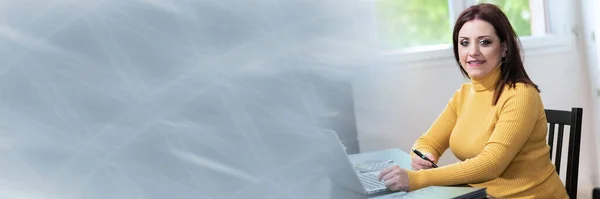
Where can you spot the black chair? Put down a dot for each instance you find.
(573, 119)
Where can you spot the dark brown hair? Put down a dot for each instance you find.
(512, 71)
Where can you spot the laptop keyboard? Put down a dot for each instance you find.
(370, 181)
(373, 166)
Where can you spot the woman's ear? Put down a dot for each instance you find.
(504, 49)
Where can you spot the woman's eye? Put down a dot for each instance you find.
(464, 43)
(485, 42)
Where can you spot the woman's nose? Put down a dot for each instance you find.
(474, 50)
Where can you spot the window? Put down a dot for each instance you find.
(525, 21)
(426, 24)
(412, 23)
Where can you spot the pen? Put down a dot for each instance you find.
(424, 157)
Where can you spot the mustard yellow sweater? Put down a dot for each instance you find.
(502, 147)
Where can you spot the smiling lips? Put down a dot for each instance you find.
(475, 63)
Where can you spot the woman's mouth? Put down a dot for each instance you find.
(475, 63)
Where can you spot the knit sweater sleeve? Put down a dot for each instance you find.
(436, 139)
(516, 120)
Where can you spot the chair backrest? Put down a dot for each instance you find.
(573, 119)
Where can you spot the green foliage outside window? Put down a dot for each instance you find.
(518, 14)
(411, 23)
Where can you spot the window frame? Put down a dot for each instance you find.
(557, 38)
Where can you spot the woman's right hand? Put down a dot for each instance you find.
(418, 163)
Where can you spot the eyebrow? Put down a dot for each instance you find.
(482, 36)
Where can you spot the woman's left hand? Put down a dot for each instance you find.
(395, 178)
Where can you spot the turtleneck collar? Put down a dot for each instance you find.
(488, 81)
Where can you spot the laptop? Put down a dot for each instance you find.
(343, 172)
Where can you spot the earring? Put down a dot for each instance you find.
(504, 59)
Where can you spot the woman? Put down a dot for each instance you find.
(495, 124)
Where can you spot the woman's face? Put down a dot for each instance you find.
(479, 48)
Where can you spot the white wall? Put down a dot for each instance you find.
(590, 23)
